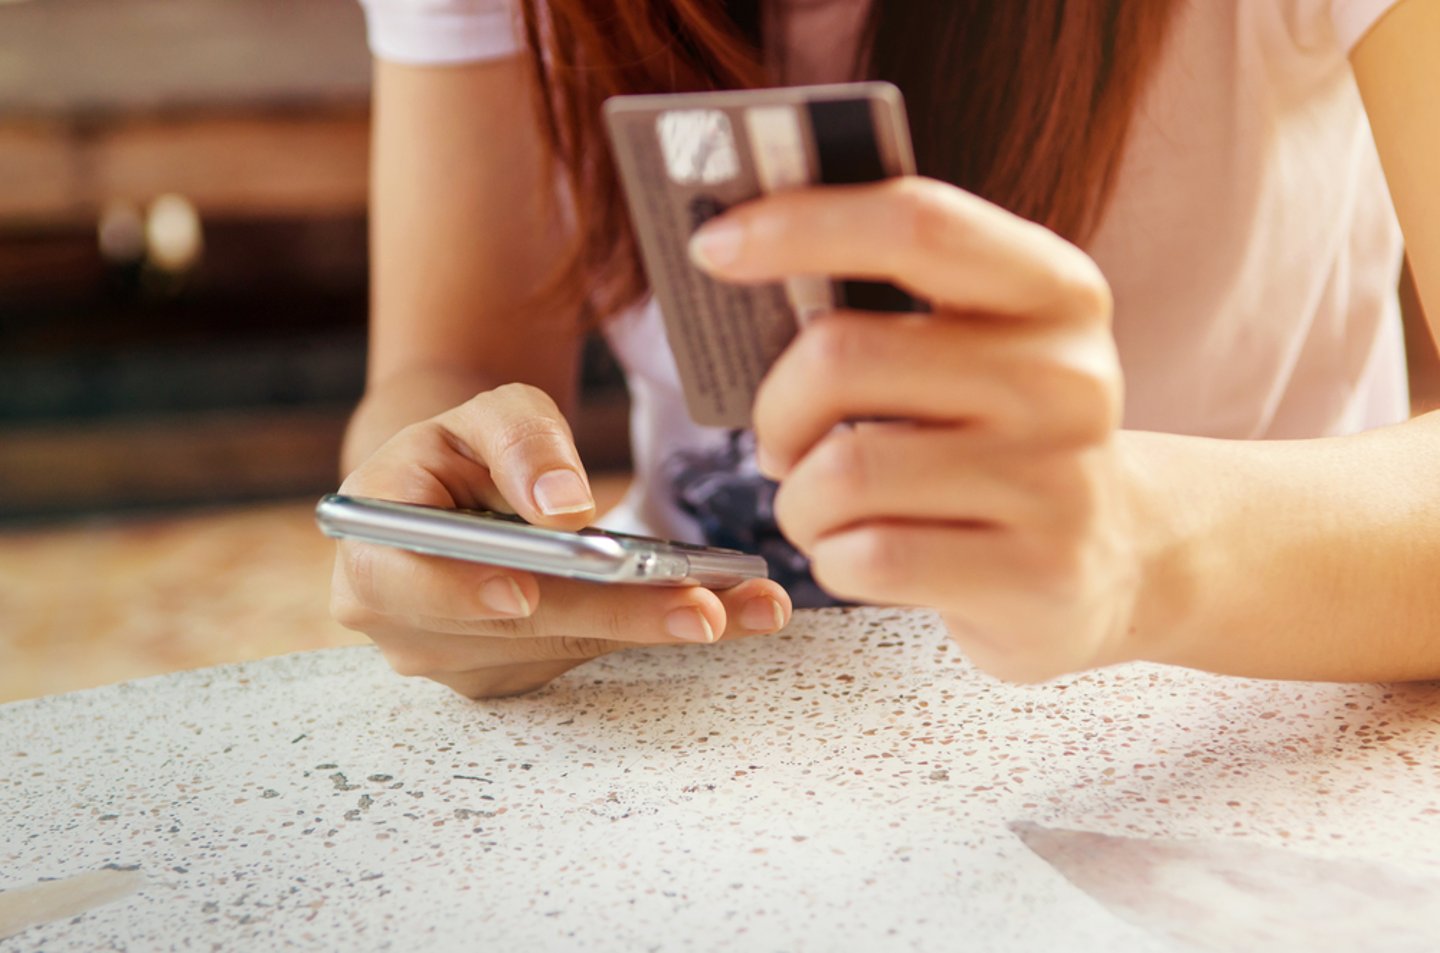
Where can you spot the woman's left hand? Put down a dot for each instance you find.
(984, 477)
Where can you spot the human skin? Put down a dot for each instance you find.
(467, 391)
(1008, 499)
(1049, 539)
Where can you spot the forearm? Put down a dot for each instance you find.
(1313, 559)
(464, 236)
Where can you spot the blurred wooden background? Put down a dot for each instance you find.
(128, 381)
(254, 108)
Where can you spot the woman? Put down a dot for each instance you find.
(1074, 474)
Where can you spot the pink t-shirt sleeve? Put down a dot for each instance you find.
(439, 32)
(1354, 18)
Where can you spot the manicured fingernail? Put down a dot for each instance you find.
(561, 491)
(762, 615)
(716, 245)
(503, 595)
(689, 625)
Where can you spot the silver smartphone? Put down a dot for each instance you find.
(499, 539)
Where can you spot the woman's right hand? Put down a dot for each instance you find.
(487, 631)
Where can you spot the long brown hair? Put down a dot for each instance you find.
(1024, 102)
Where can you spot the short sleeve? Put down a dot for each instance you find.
(1352, 19)
(440, 32)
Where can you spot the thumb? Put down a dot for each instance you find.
(523, 440)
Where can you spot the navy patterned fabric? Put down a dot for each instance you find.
(734, 505)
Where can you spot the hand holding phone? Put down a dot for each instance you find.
(485, 628)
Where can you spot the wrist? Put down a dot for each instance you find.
(1168, 513)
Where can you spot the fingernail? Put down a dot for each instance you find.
(762, 615)
(561, 491)
(689, 625)
(503, 595)
(716, 245)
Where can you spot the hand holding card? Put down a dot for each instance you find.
(685, 158)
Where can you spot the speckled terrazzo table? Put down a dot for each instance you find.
(849, 784)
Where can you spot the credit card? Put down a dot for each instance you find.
(684, 158)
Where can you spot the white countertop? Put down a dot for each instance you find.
(849, 784)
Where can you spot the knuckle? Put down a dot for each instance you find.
(525, 430)
(824, 492)
(923, 215)
(832, 577)
(517, 395)
(580, 647)
(418, 441)
(789, 514)
(845, 460)
(1057, 385)
(842, 468)
(516, 419)
(617, 624)
(878, 555)
(598, 623)
(1072, 403)
(871, 559)
(829, 348)
(1080, 286)
(769, 410)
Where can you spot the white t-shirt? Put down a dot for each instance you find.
(1250, 243)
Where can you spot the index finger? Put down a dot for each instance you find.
(932, 239)
(507, 449)
(519, 434)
